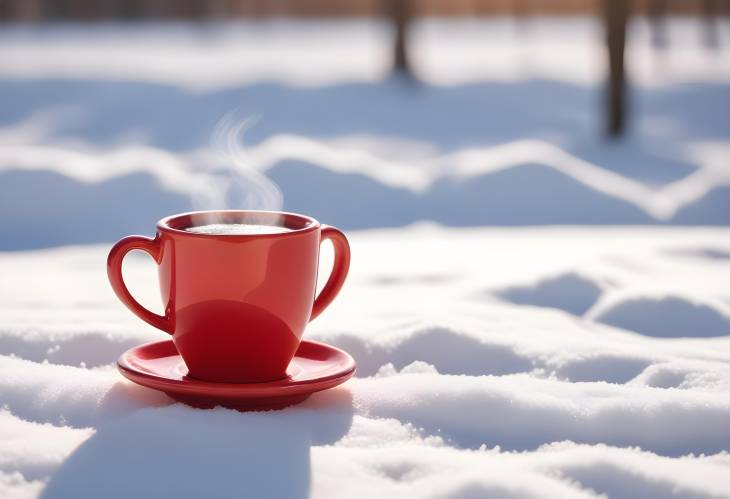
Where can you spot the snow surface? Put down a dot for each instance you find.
(558, 361)
(464, 389)
(94, 118)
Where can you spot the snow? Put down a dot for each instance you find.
(534, 311)
(92, 121)
(460, 391)
(448, 53)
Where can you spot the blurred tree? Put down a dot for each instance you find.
(709, 10)
(657, 12)
(401, 14)
(616, 15)
(57, 8)
(131, 9)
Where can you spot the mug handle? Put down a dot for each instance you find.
(339, 269)
(114, 271)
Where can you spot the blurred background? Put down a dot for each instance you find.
(362, 113)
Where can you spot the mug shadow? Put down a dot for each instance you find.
(177, 451)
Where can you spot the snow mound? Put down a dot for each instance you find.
(686, 375)
(455, 410)
(666, 316)
(448, 351)
(712, 209)
(571, 292)
(35, 450)
(520, 183)
(608, 368)
(701, 253)
(217, 445)
(83, 213)
(72, 348)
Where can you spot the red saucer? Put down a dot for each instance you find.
(315, 367)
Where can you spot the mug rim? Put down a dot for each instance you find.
(310, 224)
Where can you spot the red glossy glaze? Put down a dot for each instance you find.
(236, 305)
(315, 367)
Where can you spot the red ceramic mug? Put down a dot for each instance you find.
(236, 305)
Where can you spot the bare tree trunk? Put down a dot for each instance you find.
(522, 13)
(57, 9)
(657, 19)
(616, 16)
(130, 9)
(709, 11)
(401, 13)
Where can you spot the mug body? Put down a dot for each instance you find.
(238, 303)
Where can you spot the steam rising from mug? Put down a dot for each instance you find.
(230, 180)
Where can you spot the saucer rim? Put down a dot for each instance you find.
(285, 386)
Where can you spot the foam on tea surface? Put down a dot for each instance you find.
(237, 229)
